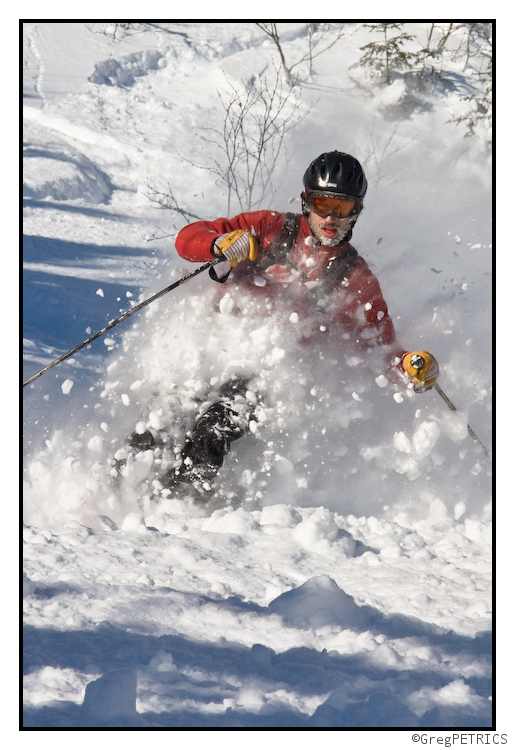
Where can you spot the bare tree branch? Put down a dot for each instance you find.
(316, 33)
(378, 153)
(249, 142)
(115, 29)
(167, 200)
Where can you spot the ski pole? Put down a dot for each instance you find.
(125, 315)
(417, 361)
(453, 408)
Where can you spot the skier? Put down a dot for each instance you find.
(292, 262)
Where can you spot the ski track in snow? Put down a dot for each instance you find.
(341, 574)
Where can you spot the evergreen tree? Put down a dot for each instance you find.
(387, 55)
(479, 43)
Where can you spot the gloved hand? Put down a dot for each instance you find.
(236, 246)
(423, 369)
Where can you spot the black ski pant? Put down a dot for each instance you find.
(211, 437)
(223, 423)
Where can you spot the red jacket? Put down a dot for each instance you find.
(356, 303)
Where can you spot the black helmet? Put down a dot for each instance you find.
(336, 172)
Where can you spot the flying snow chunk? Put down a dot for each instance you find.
(226, 305)
(382, 381)
(67, 386)
(100, 292)
(402, 442)
(95, 444)
(425, 437)
(459, 510)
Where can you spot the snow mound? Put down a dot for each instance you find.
(382, 709)
(112, 696)
(59, 172)
(320, 602)
(123, 72)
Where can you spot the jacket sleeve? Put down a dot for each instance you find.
(194, 242)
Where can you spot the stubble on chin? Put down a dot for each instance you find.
(328, 241)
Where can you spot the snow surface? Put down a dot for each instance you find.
(341, 576)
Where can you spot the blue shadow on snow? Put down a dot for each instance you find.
(373, 696)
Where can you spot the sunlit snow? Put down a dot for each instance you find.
(341, 574)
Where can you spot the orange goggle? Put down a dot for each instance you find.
(323, 205)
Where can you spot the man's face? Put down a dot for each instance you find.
(330, 231)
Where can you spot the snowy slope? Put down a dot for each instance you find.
(341, 576)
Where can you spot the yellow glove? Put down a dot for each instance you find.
(236, 246)
(423, 369)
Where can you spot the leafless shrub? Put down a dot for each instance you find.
(379, 152)
(116, 30)
(163, 197)
(317, 39)
(247, 145)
